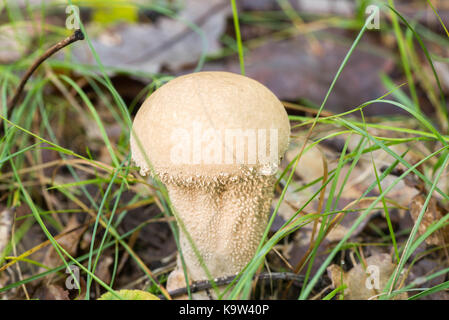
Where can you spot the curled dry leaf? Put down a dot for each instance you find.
(362, 282)
(433, 214)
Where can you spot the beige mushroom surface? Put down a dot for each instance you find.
(215, 140)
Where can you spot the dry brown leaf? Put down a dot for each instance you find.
(102, 271)
(432, 215)
(68, 242)
(51, 292)
(310, 166)
(364, 283)
(335, 273)
(166, 43)
(292, 72)
(57, 293)
(421, 271)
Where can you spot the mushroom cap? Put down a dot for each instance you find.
(200, 124)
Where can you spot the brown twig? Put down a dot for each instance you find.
(77, 35)
(297, 107)
(205, 285)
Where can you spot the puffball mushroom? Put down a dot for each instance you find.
(215, 140)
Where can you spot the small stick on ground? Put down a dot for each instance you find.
(77, 35)
(205, 285)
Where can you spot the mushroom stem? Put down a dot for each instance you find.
(225, 220)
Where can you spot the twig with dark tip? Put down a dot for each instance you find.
(77, 35)
(205, 285)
